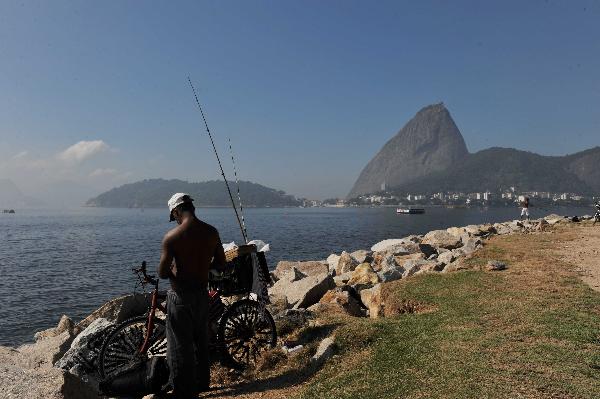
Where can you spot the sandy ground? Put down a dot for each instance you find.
(583, 252)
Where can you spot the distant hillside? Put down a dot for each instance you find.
(155, 193)
(495, 169)
(428, 155)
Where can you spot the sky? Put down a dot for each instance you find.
(95, 94)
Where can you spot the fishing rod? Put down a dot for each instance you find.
(242, 228)
(237, 183)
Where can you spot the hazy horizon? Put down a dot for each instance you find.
(95, 95)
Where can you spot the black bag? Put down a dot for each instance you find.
(142, 378)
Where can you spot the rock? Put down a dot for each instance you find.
(343, 279)
(362, 256)
(332, 262)
(324, 351)
(342, 298)
(118, 310)
(502, 228)
(456, 231)
(471, 245)
(18, 381)
(430, 267)
(455, 266)
(309, 290)
(363, 275)
(427, 250)
(372, 299)
(443, 239)
(46, 351)
(310, 268)
(542, 225)
(495, 265)
(279, 289)
(446, 257)
(85, 348)
(385, 245)
(390, 270)
(574, 219)
(413, 266)
(64, 324)
(346, 264)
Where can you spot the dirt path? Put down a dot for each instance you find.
(583, 252)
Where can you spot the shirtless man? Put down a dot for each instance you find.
(188, 251)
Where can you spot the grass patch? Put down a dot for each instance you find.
(531, 331)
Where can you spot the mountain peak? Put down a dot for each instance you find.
(428, 143)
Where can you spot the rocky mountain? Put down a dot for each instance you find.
(429, 155)
(430, 142)
(154, 193)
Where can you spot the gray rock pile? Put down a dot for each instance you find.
(350, 282)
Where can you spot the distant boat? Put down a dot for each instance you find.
(8, 211)
(410, 211)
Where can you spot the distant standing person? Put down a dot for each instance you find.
(525, 208)
(188, 251)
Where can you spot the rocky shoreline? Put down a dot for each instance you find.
(61, 361)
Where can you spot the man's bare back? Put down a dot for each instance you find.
(194, 246)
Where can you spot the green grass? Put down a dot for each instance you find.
(531, 331)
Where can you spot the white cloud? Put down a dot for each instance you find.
(83, 150)
(21, 155)
(102, 172)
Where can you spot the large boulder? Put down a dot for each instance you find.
(373, 300)
(309, 268)
(442, 239)
(413, 266)
(85, 348)
(446, 257)
(502, 228)
(362, 256)
(346, 264)
(309, 290)
(390, 269)
(342, 299)
(46, 351)
(279, 289)
(118, 310)
(64, 324)
(471, 245)
(392, 243)
(332, 262)
(363, 275)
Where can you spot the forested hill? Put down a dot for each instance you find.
(154, 193)
(497, 169)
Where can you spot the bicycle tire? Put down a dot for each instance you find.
(120, 348)
(245, 330)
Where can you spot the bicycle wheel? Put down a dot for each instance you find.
(245, 330)
(120, 348)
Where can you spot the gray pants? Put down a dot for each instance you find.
(187, 342)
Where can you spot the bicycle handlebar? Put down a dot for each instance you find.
(144, 277)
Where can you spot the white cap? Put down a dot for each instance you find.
(176, 200)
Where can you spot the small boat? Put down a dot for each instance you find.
(410, 211)
(9, 211)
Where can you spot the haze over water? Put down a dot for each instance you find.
(71, 262)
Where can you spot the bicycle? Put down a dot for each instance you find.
(597, 214)
(239, 331)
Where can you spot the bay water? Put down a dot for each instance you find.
(55, 262)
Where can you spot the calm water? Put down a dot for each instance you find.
(70, 262)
